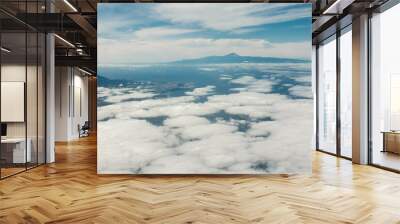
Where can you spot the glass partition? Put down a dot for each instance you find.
(31, 99)
(385, 89)
(22, 77)
(327, 95)
(13, 94)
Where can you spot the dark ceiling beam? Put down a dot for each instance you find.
(174, 1)
(322, 22)
(53, 22)
(10, 25)
(65, 51)
(327, 20)
(83, 23)
(338, 6)
(91, 5)
(49, 22)
(79, 61)
(331, 30)
(15, 18)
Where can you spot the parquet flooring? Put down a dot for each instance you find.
(10, 171)
(70, 191)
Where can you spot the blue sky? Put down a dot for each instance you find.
(152, 33)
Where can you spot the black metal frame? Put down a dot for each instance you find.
(369, 81)
(316, 97)
(338, 76)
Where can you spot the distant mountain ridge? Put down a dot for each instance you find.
(103, 81)
(235, 58)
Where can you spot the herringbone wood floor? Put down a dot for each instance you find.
(70, 191)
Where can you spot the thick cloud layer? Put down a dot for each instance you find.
(207, 90)
(271, 135)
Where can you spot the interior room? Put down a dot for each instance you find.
(55, 91)
(385, 118)
(22, 101)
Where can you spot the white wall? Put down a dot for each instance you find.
(34, 124)
(12, 101)
(80, 109)
(12, 73)
(62, 81)
(17, 73)
(70, 83)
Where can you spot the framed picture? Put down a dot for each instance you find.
(220, 88)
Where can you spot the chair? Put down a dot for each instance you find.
(84, 130)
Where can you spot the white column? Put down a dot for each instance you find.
(50, 99)
(360, 90)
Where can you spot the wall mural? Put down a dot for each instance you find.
(204, 88)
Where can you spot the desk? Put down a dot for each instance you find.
(391, 141)
(19, 155)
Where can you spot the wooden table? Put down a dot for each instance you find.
(391, 141)
(14, 150)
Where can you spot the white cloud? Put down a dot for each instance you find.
(126, 40)
(166, 50)
(229, 17)
(306, 79)
(260, 86)
(178, 164)
(129, 96)
(253, 84)
(301, 91)
(207, 69)
(253, 104)
(213, 147)
(244, 80)
(202, 91)
(238, 89)
(259, 128)
(246, 98)
(160, 32)
(124, 94)
(225, 77)
(107, 92)
(250, 110)
(189, 143)
(110, 26)
(117, 154)
(184, 121)
(206, 131)
(143, 108)
(175, 110)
